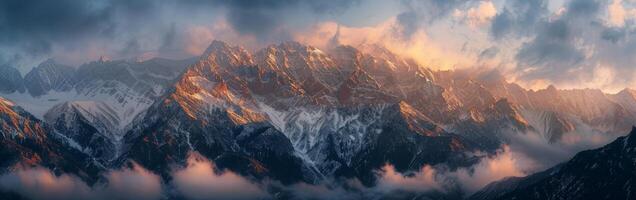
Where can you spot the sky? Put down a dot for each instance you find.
(567, 43)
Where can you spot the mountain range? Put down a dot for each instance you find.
(298, 114)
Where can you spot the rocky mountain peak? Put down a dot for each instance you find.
(48, 76)
(10, 80)
(223, 54)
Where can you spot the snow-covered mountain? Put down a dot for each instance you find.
(93, 125)
(49, 76)
(10, 80)
(126, 87)
(95, 103)
(25, 141)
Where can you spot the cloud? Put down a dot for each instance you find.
(38, 29)
(571, 44)
(524, 154)
(76, 32)
(553, 46)
(423, 47)
(390, 184)
(539, 154)
(503, 164)
(135, 183)
(440, 34)
(477, 16)
(517, 17)
(200, 180)
(574, 48)
(267, 20)
(419, 14)
(41, 184)
(617, 13)
(422, 181)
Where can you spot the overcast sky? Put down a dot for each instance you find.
(568, 43)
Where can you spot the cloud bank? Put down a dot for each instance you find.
(200, 180)
(41, 184)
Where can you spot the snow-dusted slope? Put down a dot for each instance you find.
(128, 87)
(49, 76)
(10, 80)
(93, 125)
(95, 103)
(98, 113)
(26, 141)
(550, 124)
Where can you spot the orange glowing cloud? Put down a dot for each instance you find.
(436, 54)
(42, 184)
(200, 180)
(504, 164)
(477, 16)
(617, 13)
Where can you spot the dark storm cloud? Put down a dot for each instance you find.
(555, 49)
(420, 13)
(518, 17)
(613, 34)
(489, 53)
(32, 24)
(265, 18)
(583, 8)
(34, 29)
(571, 46)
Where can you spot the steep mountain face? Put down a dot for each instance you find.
(606, 113)
(552, 125)
(27, 142)
(127, 87)
(10, 80)
(605, 173)
(91, 124)
(209, 111)
(96, 103)
(49, 76)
